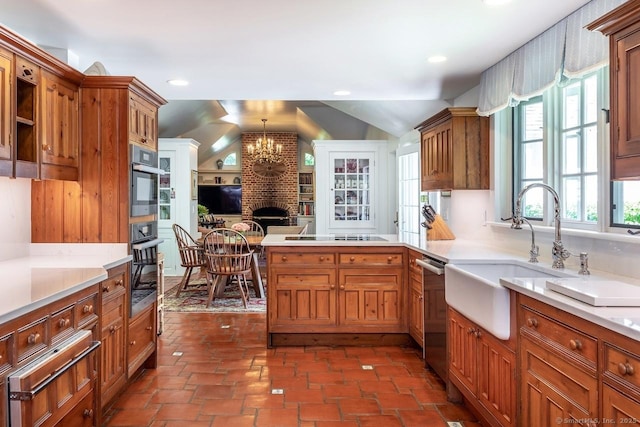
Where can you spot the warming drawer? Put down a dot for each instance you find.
(55, 386)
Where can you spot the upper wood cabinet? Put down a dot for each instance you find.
(39, 115)
(143, 118)
(59, 128)
(6, 91)
(455, 150)
(622, 25)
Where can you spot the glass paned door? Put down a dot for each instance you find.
(351, 176)
(166, 197)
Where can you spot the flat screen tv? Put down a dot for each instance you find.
(221, 199)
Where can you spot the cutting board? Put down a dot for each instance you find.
(439, 230)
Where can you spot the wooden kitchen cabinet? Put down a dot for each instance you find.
(621, 379)
(483, 368)
(113, 373)
(59, 128)
(6, 118)
(143, 122)
(142, 338)
(454, 150)
(329, 290)
(622, 25)
(416, 299)
(558, 365)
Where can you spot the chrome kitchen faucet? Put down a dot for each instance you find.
(559, 253)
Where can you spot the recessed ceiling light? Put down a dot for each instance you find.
(178, 82)
(495, 2)
(437, 58)
(342, 93)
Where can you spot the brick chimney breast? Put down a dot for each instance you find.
(280, 191)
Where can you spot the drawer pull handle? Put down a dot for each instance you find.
(148, 328)
(133, 342)
(120, 282)
(625, 369)
(532, 323)
(87, 309)
(352, 259)
(389, 259)
(575, 344)
(63, 323)
(87, 413)
(112, 329)
(332, 286)
(321, 258)
(284, 259)
(33, 338)
(342, 287)
(106, 288)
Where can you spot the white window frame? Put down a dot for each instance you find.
(552, 154)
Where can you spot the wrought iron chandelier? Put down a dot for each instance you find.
(265, 150)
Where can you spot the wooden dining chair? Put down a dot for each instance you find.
(255, 230)
(191, 256)
(228, 256)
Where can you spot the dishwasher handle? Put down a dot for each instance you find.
(428, 266)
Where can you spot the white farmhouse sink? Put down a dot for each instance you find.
(474, 290)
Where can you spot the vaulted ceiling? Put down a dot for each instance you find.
(283, 59)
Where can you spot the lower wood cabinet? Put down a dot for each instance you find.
(141, 338)
(483, 368)
(416, 299)
(336, 290)
(113, 374)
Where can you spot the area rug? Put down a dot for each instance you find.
(195, 301)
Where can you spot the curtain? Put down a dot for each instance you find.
(565, 50)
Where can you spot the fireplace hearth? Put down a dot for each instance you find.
(271, 215)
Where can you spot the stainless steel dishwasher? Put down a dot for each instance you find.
(435, 315)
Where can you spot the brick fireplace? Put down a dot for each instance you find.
(282, 191)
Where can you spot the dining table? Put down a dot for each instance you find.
(255, 243)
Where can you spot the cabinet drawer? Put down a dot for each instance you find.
(33, 338)
(622, 365)
(142, 337)
(62, 324)
(112, 286)
(6, 353)
(559, 334)
(310, 258)
(377, 259)
(85, 310)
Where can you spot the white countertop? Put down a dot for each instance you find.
(624, 320)
(53, 271)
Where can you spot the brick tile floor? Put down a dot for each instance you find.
(225, 377)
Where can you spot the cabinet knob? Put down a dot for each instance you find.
(112, 329)
(87, 413)
(133, 342)
(532, 322)
(321, 258)
(119, 282)
(148, 328)
(389, 259)
(342, 287)
(63, 323)
(33, 338)
(106, 288)
(87, 309)
(284, 259)
(470, 331)
(45, 147)
(626, 369)
(352, 259)
(575, 344)
(332, 286)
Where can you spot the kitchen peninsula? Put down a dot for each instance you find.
(354, 289)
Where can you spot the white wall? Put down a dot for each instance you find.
(15, 217)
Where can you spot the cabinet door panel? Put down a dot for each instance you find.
(6, 65)
(462, 350)
(370, 296)
(302, 298)
(618, 408)
(496, 379)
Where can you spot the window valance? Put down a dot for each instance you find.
(565, 50)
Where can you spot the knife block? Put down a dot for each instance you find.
(439, 230)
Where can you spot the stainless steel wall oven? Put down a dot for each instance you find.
(144, 181)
